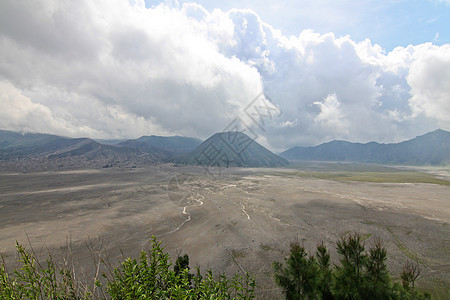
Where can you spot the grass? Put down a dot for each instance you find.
(436, 287)
(376, 177)
(404, 249)
(267, 247)
(358, 172)
(366, 236)
(238, 253)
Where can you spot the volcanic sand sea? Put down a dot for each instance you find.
(231, 220)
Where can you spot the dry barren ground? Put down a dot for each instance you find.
(236, 221)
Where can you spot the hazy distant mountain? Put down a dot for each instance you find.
(164, 147)
(110, 141)
(228, 149)
(34, 151)
(10, 141)
(432, 148)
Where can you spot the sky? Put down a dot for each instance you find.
(351, 70)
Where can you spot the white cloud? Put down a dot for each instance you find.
(330, 116)
(447, 2)
(429, 79)
(366, 91)
(19, 112)
(436, 37)
(289, 123)
(157, 66)
(115, 69)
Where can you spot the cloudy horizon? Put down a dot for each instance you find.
(123, 69)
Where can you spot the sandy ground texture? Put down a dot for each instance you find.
(233, 220)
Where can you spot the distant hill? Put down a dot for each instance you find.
(35, 151)
(165, 148)
(432, 148)
(109, 141)
(236, 149)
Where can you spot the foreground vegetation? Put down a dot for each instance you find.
(149, 277)
(360, 274)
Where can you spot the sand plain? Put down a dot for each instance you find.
(233, 220)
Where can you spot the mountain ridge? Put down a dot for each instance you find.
(432, 148)
(37, 151)
(164, 147)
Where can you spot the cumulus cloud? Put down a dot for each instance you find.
(157, 67)
(330, 116)
(338, 88)
(18, 111)
(429, 78)
(115, 69)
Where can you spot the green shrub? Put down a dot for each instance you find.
(34, 280)
(149, 277)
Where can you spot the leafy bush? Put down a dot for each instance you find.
(34, 280)
(149, 277)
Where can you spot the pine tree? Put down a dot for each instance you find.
(359, 274)
(299, 279)
(348, 280)
(325, 272)
(377, 283)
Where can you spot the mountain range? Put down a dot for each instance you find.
(163, 147)
(35, 151)
(432, 148)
